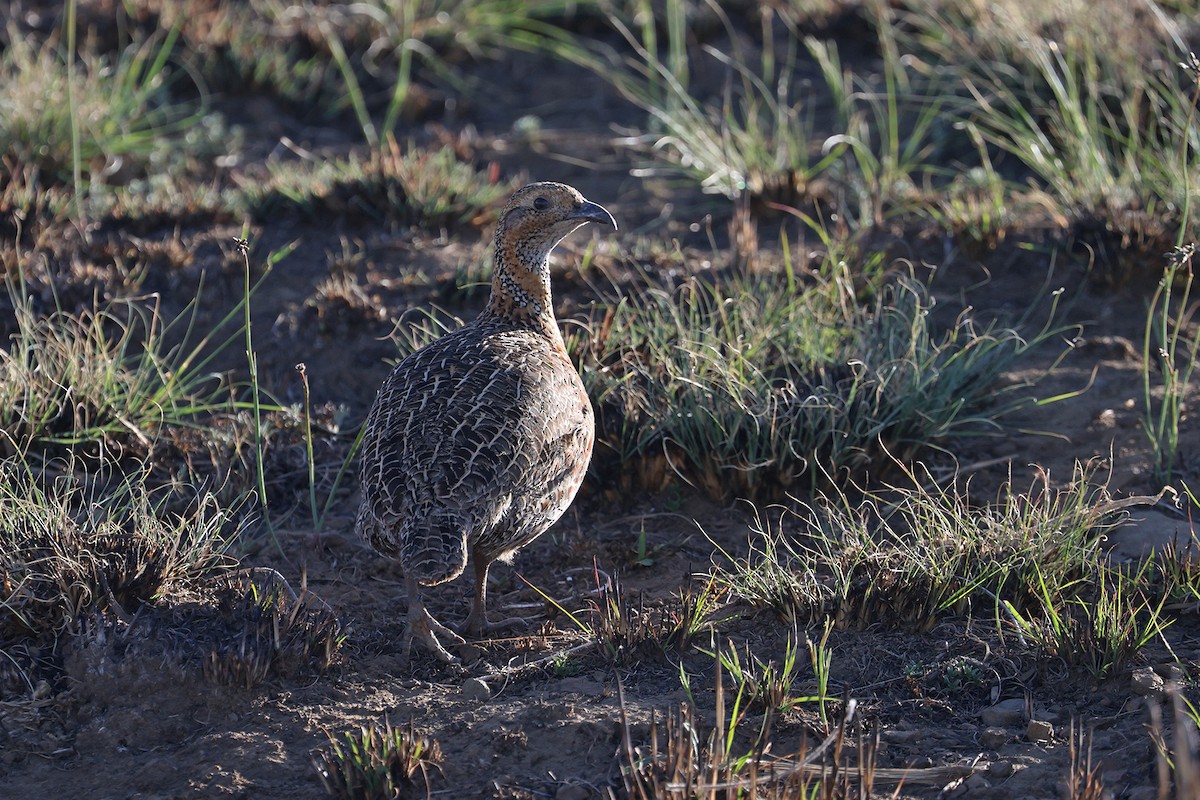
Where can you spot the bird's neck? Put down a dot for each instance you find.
(521, 290)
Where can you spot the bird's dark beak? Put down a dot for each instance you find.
(591, 212)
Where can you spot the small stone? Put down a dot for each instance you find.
(42, 690)
(1000, 769)
(1005, 713)
(1169, 672)
(575, 792)
(902, 737)
(994, 738)
(1039, 731)
(1141, 793)
(476, 689)
(470, 653)
(955, 789)
(1143, 534)
(1146, 683)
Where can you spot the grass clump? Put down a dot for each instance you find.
(745, 384)
(405, 186)
(428, 37)
(105, 374)
(627, 633)
(1102, 629)
(1176, 744)
(1085, 779)
(111, 114)
(270, 628)
(75, 541)
(374, 763)
(1167, 336)
(256, 47)
(905, 561)
(775, 686)
(755, 139)
(677, 760)
(1088, 101)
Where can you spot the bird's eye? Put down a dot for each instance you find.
(541, 203)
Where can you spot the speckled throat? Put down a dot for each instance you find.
(535, 220)
(521, 274)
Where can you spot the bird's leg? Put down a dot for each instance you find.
(424, 627)
(476, 623)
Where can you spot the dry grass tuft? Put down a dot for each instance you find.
(406, 186)
(906, 558)
(677, 762)
(271, 630)
(74, 542)
(1084, 781)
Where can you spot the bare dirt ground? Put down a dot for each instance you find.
(132, 718)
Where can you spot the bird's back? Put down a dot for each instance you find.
(479, 440)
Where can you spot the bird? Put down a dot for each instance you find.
(479, 441)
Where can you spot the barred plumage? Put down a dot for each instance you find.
(479, 441)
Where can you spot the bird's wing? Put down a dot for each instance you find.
(451, 436)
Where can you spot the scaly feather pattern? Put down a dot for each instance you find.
(478, 442)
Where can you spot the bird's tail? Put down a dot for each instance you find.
(374, 533)
(433, 550)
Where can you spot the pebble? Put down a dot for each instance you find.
(470, 653)
(903, 737)
(994, 738)
(575, 792)
(1039, 731)
(1170, 672)
(476, 689)
(1005, 713)
(1000, 769)
(1146, 683)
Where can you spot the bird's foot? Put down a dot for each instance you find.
(422, 626)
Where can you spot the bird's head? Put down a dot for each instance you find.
(534, 221)
(539, 215)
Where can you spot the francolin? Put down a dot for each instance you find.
(478, 442)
